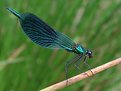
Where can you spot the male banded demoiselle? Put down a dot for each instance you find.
(41, 33)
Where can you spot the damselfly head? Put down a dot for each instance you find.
(89, 53)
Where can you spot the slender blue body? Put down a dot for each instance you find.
(42, 34)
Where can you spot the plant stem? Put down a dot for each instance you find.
(84, 75)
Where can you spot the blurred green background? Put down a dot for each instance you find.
(96, 24)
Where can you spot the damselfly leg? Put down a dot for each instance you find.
(77, 65)
(85, 62)
(76, 61)
(68, 63)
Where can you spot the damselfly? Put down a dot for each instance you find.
(42, 34)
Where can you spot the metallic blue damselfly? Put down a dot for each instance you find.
(41, 33)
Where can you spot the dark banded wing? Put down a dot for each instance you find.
(42, 34)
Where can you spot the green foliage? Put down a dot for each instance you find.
(25, 66)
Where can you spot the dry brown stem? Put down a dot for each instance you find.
(84, 75)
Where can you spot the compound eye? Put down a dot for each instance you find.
(90, 54)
